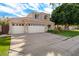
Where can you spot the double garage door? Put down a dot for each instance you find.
(27, 29)
(36, 29)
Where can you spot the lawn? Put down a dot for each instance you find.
(65, 33)
(4, 46)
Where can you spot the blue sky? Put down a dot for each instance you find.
(23, 9)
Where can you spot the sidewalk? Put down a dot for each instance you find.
(4, 35)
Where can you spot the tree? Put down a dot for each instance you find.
(4, 21)
(66, 14)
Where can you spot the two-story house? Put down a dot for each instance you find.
(34, 23)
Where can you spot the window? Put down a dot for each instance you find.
(36, 16)
(45, 17)
(19, 24)
(16, 24)
(22, 24)
(29, 24)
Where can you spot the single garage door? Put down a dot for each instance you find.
(36, 28)
(17, 29)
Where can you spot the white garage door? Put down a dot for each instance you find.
(36, 28)
(17, 29)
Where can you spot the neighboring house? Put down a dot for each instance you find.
(71, 27)
(34, 23)
(74, 27)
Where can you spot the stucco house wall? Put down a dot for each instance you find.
(73, 27)
(30, 23)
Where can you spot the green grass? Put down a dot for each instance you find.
(65, 33)
(4, 46)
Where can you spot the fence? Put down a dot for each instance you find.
(4, 29)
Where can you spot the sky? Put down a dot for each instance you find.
(23, 9)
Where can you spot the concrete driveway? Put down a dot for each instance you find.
(43, 44)
(34, 44)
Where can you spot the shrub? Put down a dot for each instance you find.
(53, 31)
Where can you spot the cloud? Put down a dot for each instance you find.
(6, 9)
(14, 9)
(13, 5)
(22, 9)
(48, 10)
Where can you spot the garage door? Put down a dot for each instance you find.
(36, 28)
(17, 29)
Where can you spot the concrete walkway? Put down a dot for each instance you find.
(43, 44)
(4, 35)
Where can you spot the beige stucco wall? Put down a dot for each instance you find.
(40, 16)
(30, 19)
(72, 27)
(52, 25)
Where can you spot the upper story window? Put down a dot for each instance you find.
(36, 16)
(46, 16)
